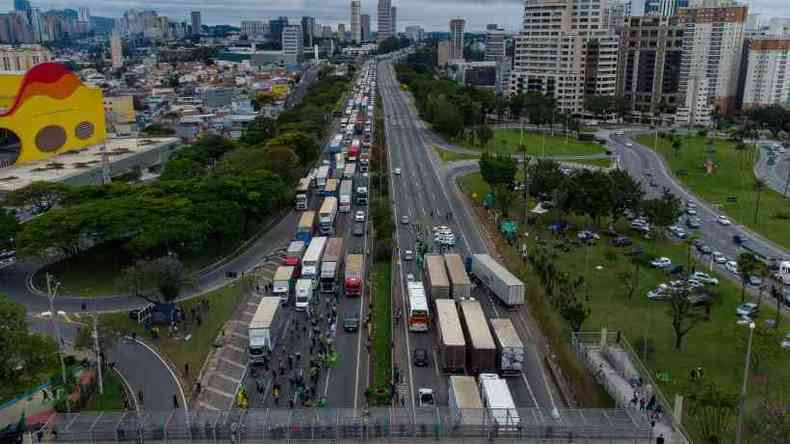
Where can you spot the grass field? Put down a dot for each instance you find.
(508, 141)
(714, 345)
(733, 177)
(450, 156)
(382, 333)
(223, 303)
(112, 398)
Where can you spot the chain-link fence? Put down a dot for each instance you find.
(339, 425)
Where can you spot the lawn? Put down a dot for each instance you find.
(450, 156)
(508, 141)
(714, 345)
(178, 349)
(602, 162)
(733, 177)
(112, 398)
(382, 332)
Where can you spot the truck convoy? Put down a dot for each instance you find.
(452, 346)
(481, 349)
(302, 191)
(498, 400)
(460, 285)
(464, 400)
(311, 261)
(266, 321)
(510, 349)
(354, 279)
(331, 264)
(346, 189)
(304, 230)
(331, 188)
(326, 216)
(497, 279)
(303, 293)
(294, 253)
(321, 176)
(436, 277)
(282, 282)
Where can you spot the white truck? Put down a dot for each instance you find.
(464, 400)
(510, 349)
(783, 275)
(498, 400)
(281, 284)
(303, 294)
(497, 279)
(327, 215)
(311, 261)
(263, 329)
(321, 176)
(346, 190)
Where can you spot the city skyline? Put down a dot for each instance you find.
(433, 16)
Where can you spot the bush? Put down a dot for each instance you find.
(610, 255)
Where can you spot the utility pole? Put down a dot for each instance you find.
(98, 352)
(742, 402)
(52, 292)
(787, 183)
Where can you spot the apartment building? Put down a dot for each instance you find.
(649, 65)
(565, 50)
(457, 27)
(254, 28)
(710, 65)
(293, 44)
(495, 45)
(18, 59)
(443, 53)
(767, 80)
(356, 29)
(384, 22)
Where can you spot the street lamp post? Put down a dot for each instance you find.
(742, 402)
(99, 370)
(52, 291)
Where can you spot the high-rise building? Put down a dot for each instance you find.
(276, 27)
(197, 24)
(19, 59)
(356, 30)
(37, 25)
(394, 21)
(415, 33)
(22, 6)
(84, 16)
(253, 28)
(495, 44)
(341, 32)
(364, 25)
(293, 45)
(308, 30)
(457, 39)
(565, 50)
(649, 65)
(767, 79)
(443, 53)
(384, 23)
(492, 27)
(710, 66)
(116, 50)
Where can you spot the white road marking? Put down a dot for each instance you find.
(529, 388)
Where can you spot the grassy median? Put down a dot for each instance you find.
(732, 177)
(112, 398)
(382, 333)
(509, 141)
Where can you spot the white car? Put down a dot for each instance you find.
(661, 262)
(408, 255)
(731, 266)
(425, 397)
(629, 144)
(397, 171)
(704, 278)
(359, 216)
(619, 133)
(409, 277)
(718, 257)
(722, 220)
(786, 341)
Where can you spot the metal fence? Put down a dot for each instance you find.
(338, 425)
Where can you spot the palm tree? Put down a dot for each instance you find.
(747, 264)
(675, 146)
(741, 148)
(759, 185)
(689, 242)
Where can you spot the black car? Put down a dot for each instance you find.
(358, 230)
(351, 322)
(704, 249)
(737, 239)
(621, 241)
(420, 357)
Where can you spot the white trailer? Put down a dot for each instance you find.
(464, 400)
(311, 261)
(510, 349)
(281, 284)
(327, 215)
(497, 279)
(346, 191)
(321, 176)
(263, 328)
(498, 400)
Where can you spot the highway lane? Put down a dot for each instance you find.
(420, 190)
(776, 176)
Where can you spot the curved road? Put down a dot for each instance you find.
(776, 176)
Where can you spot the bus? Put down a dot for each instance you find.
(418, 307)
(331, 264)
(302, 191)
(327, 214)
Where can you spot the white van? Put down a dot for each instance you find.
(304, 293)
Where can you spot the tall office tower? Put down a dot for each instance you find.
(565, 50)
(22, 6)
(364, 26)
(495, 44)
(356, 31)
(615, 13)
(276, 27)
(394, 21)
(37, 24)
(711, 61)
(253, 28)
(457, 39)
(84, 15)
(197, 24)
(308, 30)
(341, 32)
(293, 46)
(767, 79)
(384, 23)
(649, 65)
(116, 50)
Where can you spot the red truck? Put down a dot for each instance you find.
(355, 274)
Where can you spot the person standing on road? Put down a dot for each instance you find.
(175, 402)
(140, 397)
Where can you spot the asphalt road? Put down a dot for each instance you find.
(426, 193)
(776, 176)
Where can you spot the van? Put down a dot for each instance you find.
(304, 293)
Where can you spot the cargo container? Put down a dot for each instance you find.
(304, 230)
(311, 261)
(460, 285)
(510, 349)
(321, 176)
(327, 215)
(452, 346)
(355, 274)
(331, 264)
(264, 328)
(436, 277)
(499, 402)
(331, 187)
(294, 253)
(481, 349)
(497, 279)
(464, 400)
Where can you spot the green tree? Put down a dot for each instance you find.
(676, 145)
(765, 347)
(712, 411)
(484, 134)
(498, 169)
(39, 195)
(167, 275)
(769, 421)
(593, 194)
(504, 197)
(759, 186)
(747, 265)
(663, 211)
(156, 129)
(683, 315)
(9, 227)
(259, 131)
(627, 194)
(26, 356)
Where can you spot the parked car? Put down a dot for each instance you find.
(754, 281)
(785, 341)
(409, 277)
(420, 357)
(621, 241)
(587, 235)
(731, 266)
(722, 220)
(704, 249)
(404, 220)
(749, 309)
(704, 278)
(396, 171)
(661, 262)
(694, 222)
(719, 258)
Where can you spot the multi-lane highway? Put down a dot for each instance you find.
(424, 194)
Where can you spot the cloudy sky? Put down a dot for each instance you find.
(431, 14)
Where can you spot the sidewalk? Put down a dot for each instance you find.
(34, 408)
